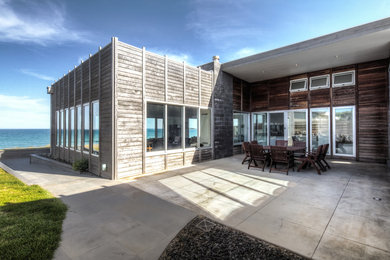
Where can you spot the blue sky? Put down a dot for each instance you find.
(42, 40)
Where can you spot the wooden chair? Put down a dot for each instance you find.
(246, 149)
(323, 156)
(302, 153)
(281, 143)
(258, 154)
(312, 159)
(280, 154)
(254, 142)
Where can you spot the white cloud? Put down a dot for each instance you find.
(41, 22)
(244, 52)
(37, 75)
(177, 56)
(23, 112)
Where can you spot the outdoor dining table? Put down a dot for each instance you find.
(289, 148)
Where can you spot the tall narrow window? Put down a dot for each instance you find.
(276, 127)
(175, 124)
(191, 127)
(66, 126)
(58, 127)
(240, 128)
(319, 127)
(95, 127)
(260, 128)
(344, 131)
(62, 128)
(71, 127)
(155, 127)
(205, 128)
(86, 127)
(78, 128)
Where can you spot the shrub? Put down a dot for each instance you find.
(80, 165)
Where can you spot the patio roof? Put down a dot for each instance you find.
(355, 45)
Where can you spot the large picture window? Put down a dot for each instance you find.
(95, 127)
(297, 126)
(175, 122)
(86, 127)
(260, 128)
(205, 128)
(240, 128)
(78, 128)
(62, 128)
(344, 131)
(320, 122)
(155, 127)
(71, 127)
(191, 127)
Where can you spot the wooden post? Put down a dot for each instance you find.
(144, 105)
(114, 163)
(99, 96)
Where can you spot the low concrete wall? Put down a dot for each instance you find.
(22, 152)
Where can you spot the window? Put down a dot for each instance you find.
(78, 128)
(191, 127)
(66, 126)
(319, 82)
(61, 127)
(260, 128)
(344, 131)
(320, 123)
(276, 127)
(346, 78)
(205, 128)
(240, 128)
(297, 126)
(71, 127)
(58, 127)
(155, 127)
(86, 127)
(95, 127)
(298, 85)
(175, 122)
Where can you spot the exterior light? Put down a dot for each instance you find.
(104, 167)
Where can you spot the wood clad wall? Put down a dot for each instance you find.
(373, 108)
(128, 109)
(369, 95)
(142, 76)
(241, 95)
(83, 85)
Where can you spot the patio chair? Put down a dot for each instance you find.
(323, 155)
(257, 154)
(254, 142)
(302, 153)
(280, 154)
(246, 149)
(281, 143)
(312, 159)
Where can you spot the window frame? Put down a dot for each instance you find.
(327, 76)
(248, 123)
(72, 111)
(298, 80)
(336, 85)
(77, 126)
(93, 152)
(83, 128)
(311, 126)
(353, 131)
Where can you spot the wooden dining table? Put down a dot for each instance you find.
(289, 148)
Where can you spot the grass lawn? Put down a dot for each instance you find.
(30, 220)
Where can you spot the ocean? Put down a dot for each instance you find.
(150, 133)
(18, 138)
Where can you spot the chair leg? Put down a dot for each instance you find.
(264, 162)
(315, 166)
(270, 167)
(246, 156)
(249, 164)
(327, 165)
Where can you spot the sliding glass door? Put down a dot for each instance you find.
(344, 131)
(240, 128)
(297, 126)
(320, 127)
(276, 127)
(260, 128)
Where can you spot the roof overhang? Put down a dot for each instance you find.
(355, 45)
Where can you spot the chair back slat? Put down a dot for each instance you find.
(245, 147)
(279, 154)
(299, 144)
(257, 152)
(319, 151)
(325, 149)
(254, 142)
(281, 143)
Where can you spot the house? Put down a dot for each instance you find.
(130, 111)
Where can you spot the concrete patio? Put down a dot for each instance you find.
(329, 216)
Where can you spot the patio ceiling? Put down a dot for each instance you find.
(355, 45)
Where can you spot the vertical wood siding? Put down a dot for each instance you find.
(155, 77)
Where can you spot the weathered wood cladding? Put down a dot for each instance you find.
(369, 95)
(74, 89)
(142, 76)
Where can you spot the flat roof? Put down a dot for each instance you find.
(358, 44)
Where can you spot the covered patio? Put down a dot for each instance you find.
(328, 216)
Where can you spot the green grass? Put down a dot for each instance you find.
(30, 220)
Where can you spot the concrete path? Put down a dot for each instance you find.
(332, 216)
(106, 219)
(328, 216)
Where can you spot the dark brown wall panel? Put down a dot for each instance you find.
(259, 97)
(320, 98)
(278, 94)
(299, 100)
(236, 94)
(343, 96)
(246, 97)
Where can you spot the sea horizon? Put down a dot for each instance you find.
(24, 137)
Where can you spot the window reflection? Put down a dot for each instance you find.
(155, 127)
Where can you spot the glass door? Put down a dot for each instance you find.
(320, 127)
(260, 128)
(276, 127)
(297, 126)
(344, 131)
